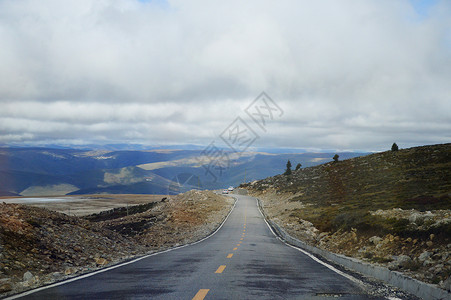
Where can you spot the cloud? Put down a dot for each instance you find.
(354, 74)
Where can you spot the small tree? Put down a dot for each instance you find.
(288, 170)
(298, 166)
(394, 147)
(336, 156)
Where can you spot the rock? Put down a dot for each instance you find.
(375, 240)
(446, 285)
(27, 276)
(400, 261)
(429, 243)
(5, 285)
(57, 275)
(424, 256)
(101, 261)
(439, 268)
(428, 262)
(69, 271)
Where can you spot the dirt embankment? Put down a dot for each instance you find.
(39, 246)
(392, 209)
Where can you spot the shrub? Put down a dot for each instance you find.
(394, 147)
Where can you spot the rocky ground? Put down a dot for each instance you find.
(391, 209)
(426, 259)
(39, 246)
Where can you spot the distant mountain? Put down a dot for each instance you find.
(56, 171)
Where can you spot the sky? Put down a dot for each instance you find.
(345, 75)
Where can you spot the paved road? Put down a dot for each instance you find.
(243, 260)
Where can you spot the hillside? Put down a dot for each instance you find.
(39, 246)
(390, 208)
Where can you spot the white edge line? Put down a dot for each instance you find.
(352, 278)
(118, 265)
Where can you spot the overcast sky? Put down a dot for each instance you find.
(348, 75)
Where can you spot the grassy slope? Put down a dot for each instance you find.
(341, 200)
(340, 195)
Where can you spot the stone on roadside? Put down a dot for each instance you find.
(27, 276)
(399, 262)
(5, 285)
(101, 261)
(424, 256)
(69, 271)
(57, 275)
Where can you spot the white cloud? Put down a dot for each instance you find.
(348, 74)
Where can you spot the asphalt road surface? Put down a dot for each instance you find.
(243, 260)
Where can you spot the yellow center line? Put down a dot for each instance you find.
(235, 248)
(230, 255)
(220, 269)
(238, 245)
(201, 294)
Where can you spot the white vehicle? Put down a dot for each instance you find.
(231, 188)
(225, 191)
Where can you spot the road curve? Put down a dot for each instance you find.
(243, 260)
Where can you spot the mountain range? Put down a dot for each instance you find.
(65, 171)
